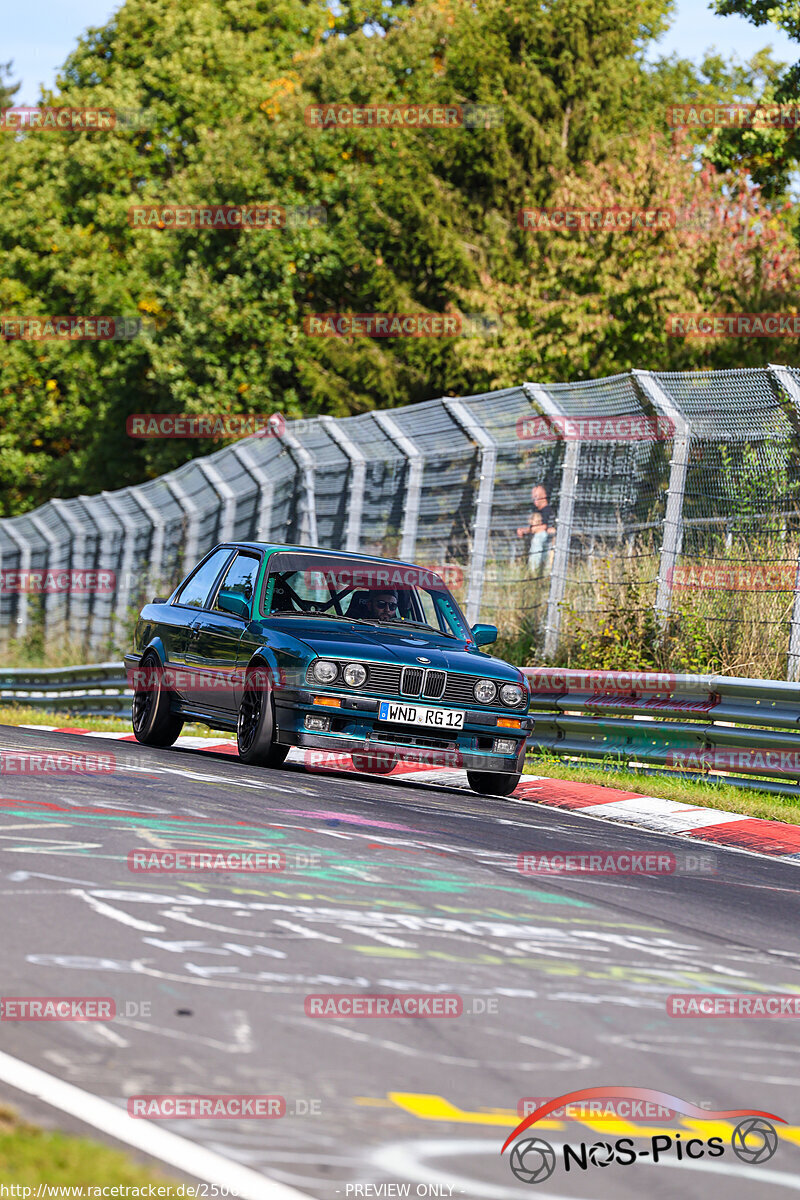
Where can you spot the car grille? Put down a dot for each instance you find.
(387, 679)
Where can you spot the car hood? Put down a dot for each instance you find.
(392, 645)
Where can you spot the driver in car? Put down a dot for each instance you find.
(381, 606)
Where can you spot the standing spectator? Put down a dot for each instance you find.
(539, 531)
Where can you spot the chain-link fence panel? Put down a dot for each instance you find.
(578, 517)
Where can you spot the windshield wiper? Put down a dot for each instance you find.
(330, 616)
(421, 625)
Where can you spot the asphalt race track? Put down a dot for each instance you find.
(412, 887)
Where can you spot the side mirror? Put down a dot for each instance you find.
(159, 599)
(484, 635)
(231, 602)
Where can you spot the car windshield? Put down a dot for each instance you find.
(367, 590)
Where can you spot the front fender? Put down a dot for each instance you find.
(264, 657)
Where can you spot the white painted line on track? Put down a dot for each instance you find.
(186, 1156)
(664, 816)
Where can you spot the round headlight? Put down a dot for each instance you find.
(354, 674)
(511, 694)
(325, 672)
(485, 691)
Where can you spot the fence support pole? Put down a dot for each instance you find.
(679, 464)
(786, 382)
(416, 462)
(51, 598)
(125, 576)
(358, 476)
(564, 521)
(266, 489)
(190, 511)
(483, 505)
(157, 541)
(226, 495)
(305, 463)
(100, 622)
(24, 547)
(78, 617)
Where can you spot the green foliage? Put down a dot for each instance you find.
(418, 220)
(7, 90)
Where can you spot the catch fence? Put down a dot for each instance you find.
(668, 507)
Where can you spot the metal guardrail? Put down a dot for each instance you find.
(718, 728)
(99, 690)
(713, 727)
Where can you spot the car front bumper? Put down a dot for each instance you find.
(355, 727)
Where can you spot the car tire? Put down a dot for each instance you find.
(154, 723)
(255, 726)
(375, 764)
(493, 783)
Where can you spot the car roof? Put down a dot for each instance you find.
(273, 546)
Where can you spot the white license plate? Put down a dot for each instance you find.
(420, 714)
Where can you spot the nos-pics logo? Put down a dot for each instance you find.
(533, 1160)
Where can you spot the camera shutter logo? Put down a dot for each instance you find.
(754, 1140)
(533, 1161)
(601, 1154)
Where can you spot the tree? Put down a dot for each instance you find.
(595, 302)
(7, 90)
(418, 220)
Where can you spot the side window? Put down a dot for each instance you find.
(240, 578)
(195, 591)
(428, 606)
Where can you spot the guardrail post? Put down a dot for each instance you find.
(358, 476)
(564, 518)
(679, 464)
(783, 377)
(483, 505)
(416, 462)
